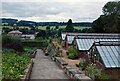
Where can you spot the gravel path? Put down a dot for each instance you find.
(45, 68)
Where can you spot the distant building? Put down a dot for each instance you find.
(28, 36)
(15, 33)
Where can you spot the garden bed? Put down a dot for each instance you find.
(14, 67)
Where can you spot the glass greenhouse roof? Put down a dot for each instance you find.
(70, 36)
(70, 39)
(85, 44)
(63, 36)
(110, 56)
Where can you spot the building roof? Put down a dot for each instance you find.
(15, 31)
(110, 56)
(86, 44)
(63, 36)
(94, 34)
(70, 36)
(70, 39)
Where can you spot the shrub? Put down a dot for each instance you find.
(72, 53)
(90, 70)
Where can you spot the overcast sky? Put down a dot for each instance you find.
(53, 10)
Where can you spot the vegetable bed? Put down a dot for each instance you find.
(13, 66)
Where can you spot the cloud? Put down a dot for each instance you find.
(61, 10)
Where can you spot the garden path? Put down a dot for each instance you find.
(45, 68)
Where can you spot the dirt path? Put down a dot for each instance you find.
(45, 68)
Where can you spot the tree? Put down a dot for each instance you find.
(110, 21)
(42, 33)
(48, 28)
(56, 27)
(112, 8)
(69, 27)
(98, 26)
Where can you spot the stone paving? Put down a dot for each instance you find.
(45, 68)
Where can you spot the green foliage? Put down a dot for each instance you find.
(42, 33)
(13, 66)
(69, 27)
(104, 76)
(95, 73)
(12, 43)
(110, 21)
(56, 27)
(29, 49)
(91, 70)
(111, 8)
(72, 53)
(35, 43)
(5, 50)
(48, 28)
(39, 38)
(83, 64)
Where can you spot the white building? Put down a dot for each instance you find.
(15, 33)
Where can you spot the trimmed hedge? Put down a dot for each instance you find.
(12, 43)
(35, 43)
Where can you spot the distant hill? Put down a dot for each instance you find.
(11, 22)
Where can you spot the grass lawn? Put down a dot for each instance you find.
(62, 27)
